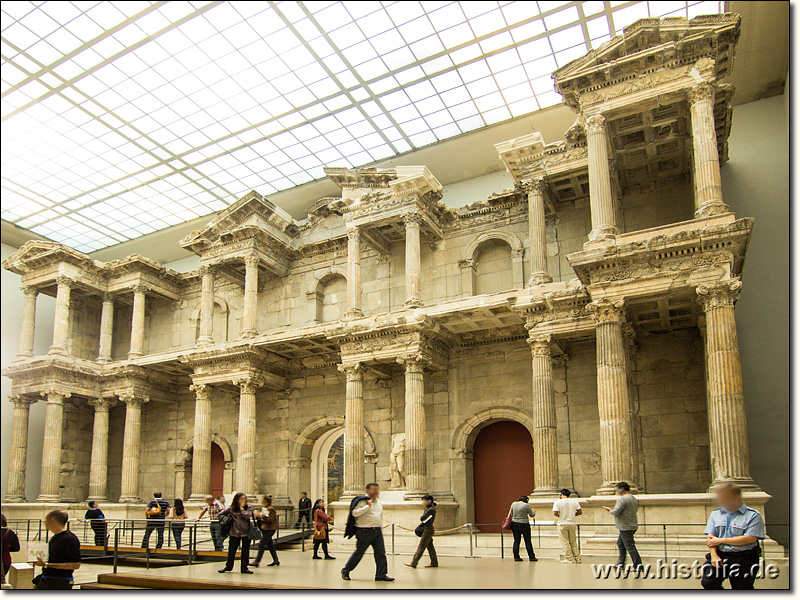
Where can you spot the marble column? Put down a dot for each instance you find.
(50, 478)
(98, 467)
(201, 448)
(246, 446)
(18, 452)
(707, 179)
(131, 449)
(61, 321)
(727, 421)
(106, 329)
(250, 309)
(613, 399)
(28, 324)
(205, 337)
(353, 273)
(137, 322)
(537, 233)
(545, 453)
(601, 199)
(416, 462)
(412, 222)
(354, 428)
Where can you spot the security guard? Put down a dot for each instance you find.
(733, 533)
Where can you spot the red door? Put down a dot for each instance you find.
(502, 471)
(217, 470)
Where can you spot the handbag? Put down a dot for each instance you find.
(225, 524)
(419, 529)
(320, 534)
(507, 523)
(254, 533)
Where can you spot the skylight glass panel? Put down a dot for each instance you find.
(122, 118)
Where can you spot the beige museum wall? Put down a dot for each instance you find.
(758, 162)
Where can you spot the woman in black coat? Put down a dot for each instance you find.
(242, 515)
(97, 520)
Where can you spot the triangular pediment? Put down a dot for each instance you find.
(35, 253)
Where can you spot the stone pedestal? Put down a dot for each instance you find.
(537, 233)
(50, 479)
(28, 324)
(545, 453)
(131, 449)
(600, 197)
(727, 421)
(18, 452)
(707, 179)
(98, 468)
(201, 452)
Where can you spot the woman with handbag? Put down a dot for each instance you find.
(321, 536)
(240, 534)
(178, 516)
(267, 520)
(519, 513)
(425, 532)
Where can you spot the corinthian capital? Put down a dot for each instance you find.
(140, 289)
(412, 219)
(607, 311)
(54, 395)
(721, 293)
(206, 270)
(20, 400)
(595, 124)
(101, 404)
(29, 290)
(352, 370)
(537, 185)
(132, 401)
(201, 390)
(540, 345)
(63, 280)
(702, 92)
(251, 260)
(414, 363)
(353, 234)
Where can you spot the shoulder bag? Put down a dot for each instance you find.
(254, 533)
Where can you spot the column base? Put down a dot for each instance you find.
(248, 333)
(129, 500)
(203, 341)
(57, 350)
(546, 491)
(48, 498)
(97, 499)
(24, 355)
(412, 303)
(603, 232)
(103, 359)
(610, 489)
(196, 498)
(353, 313)
(539, 278)
(134, 355)
(13, 499)
(711, 209)
(746, 483)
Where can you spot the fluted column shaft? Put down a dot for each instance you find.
(250, 297)
(18, 452)
(613, 400)
(61, 320)
(201, 448)
(727, 421)
(353, 273)
(601, 200)
(707, 179)
(98, 468)
(137, 322)
(354, 428)
(131, 448)
(106, 329)
(545, 453)
(50, 481)
(412, 222)
(416, 461)
(537, 232)
(28, 325)
(246, 464)
(206, 306)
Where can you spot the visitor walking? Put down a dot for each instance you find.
(156, 514)
(733, 532)
(178, 516)
(242, 514)
(10, 544)
(365, 522)
(267, 519)
(321, 529)
(565, 509)
(425, 528)
(520, 513)
(213, 508)
(97, 521)
(303, 510)
(627, 522)
(63, 554)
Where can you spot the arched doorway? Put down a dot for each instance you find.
(327, 466)
(217, 470)
(502, 471)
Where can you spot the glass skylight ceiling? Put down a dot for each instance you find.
(123, 118)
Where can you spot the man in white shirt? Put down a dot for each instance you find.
(368, 514)
(566, 509)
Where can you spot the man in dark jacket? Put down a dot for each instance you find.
(155, 513)
(366, 522)
(304, 510)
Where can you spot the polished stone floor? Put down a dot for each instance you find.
(298, 569)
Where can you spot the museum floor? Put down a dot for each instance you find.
(298, 570)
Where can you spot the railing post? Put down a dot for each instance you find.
(393, 552)
(191, 537)
(664, 531)
(579, 540)
(116, 548)
(39, 535)
(303, 536)
(147, 551)
(502, 543)
(133, 528)
(28, 534)
(471, 533)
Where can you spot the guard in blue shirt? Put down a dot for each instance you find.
(733, 533)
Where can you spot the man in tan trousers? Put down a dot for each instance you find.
(566, 509)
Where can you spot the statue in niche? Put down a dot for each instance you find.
(397, 461)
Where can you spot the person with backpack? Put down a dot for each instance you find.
(241, 515)
(156, 512)
(178, 516)
(365, 522)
